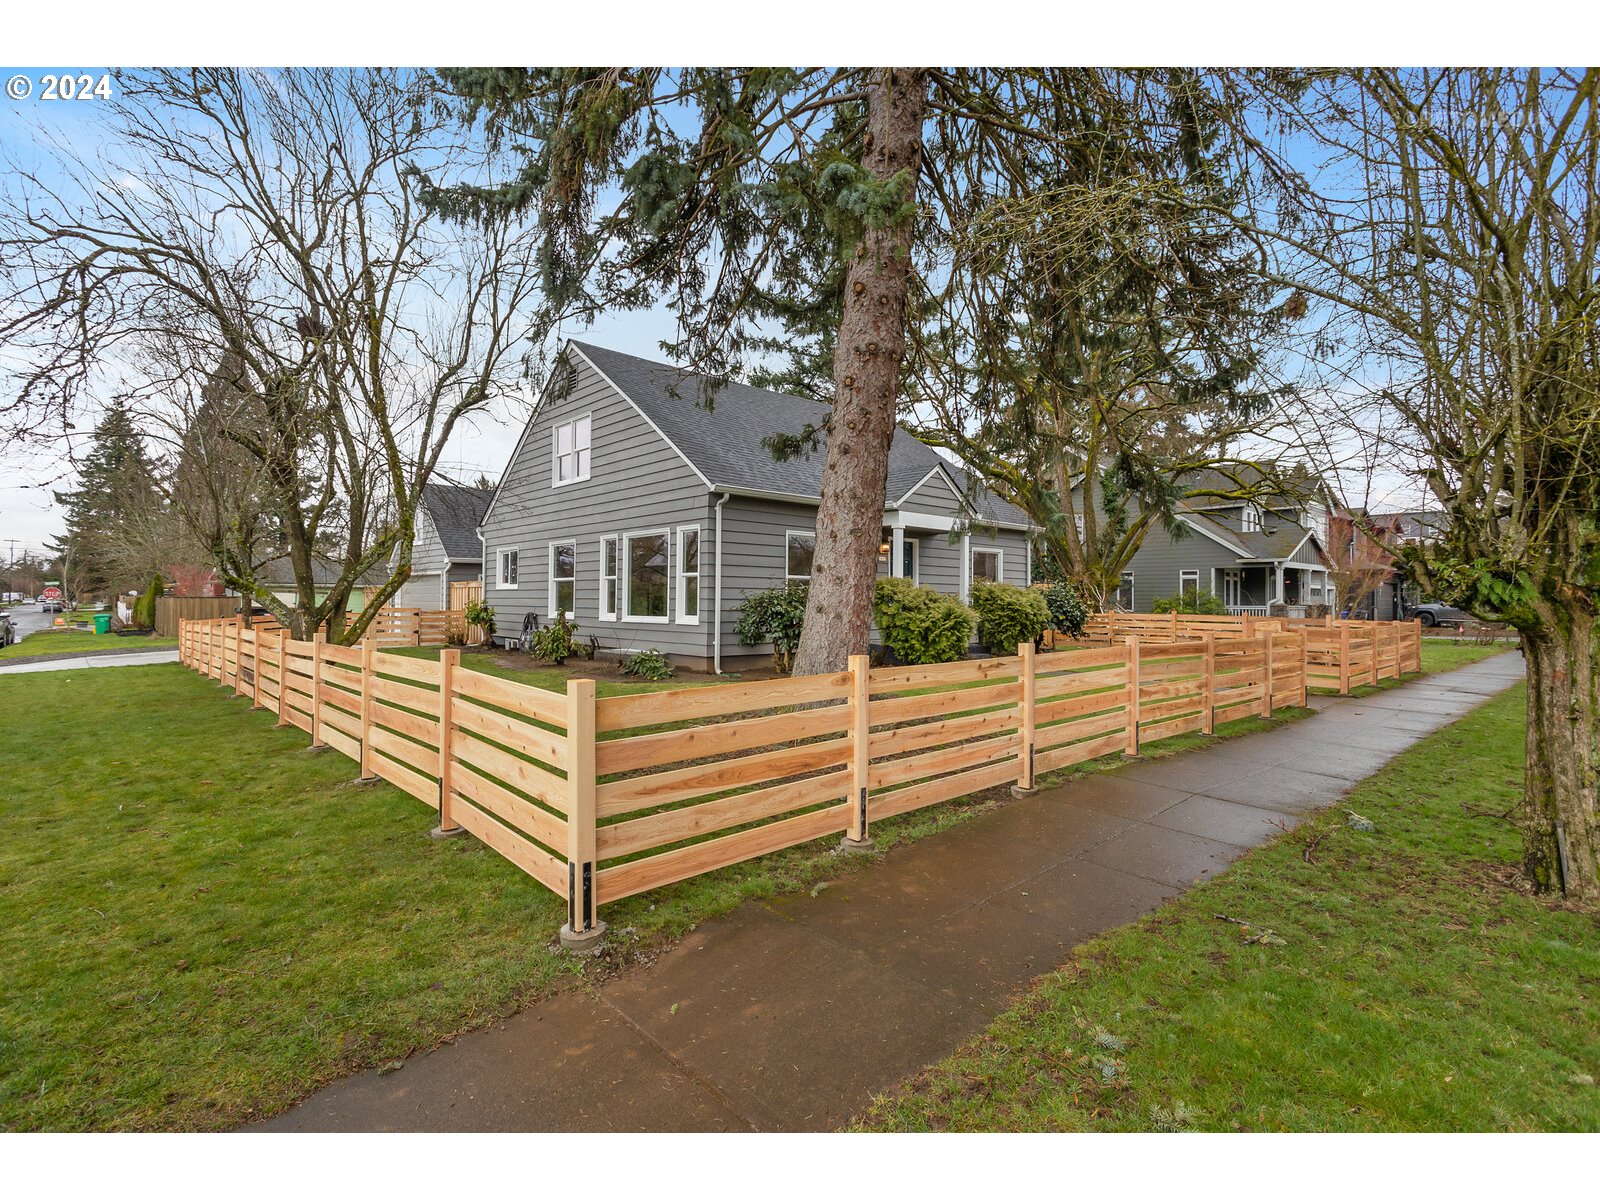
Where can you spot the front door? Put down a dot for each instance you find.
(1230, 589)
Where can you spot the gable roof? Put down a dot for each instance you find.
(723, 442)
(456, 513)
(1277, 540)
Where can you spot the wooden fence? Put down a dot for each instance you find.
(1340, 654)
(600, 799)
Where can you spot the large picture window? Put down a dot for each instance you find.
(799, 550)
(689, 574)
(987, 566)
(563, 577)
(608, 579)
(647, 564)
(507, 577)
(572, 451)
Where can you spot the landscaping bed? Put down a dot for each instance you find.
(1395, 978)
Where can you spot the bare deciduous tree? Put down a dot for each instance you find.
(248, 257)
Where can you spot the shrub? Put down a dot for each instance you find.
(1200, 603)
(1008, 616)
(919, 624)
(144, 608)
(1067, 612)
(557, 642)
(775, 615)
(648, 664)
(479, 613)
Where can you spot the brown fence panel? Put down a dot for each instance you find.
(170, 610)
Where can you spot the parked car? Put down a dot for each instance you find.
(1432, 613)
(52, 606)
(8, 631)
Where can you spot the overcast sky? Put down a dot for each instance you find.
(29, 517)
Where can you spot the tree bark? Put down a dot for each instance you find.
(1560, 830)
(866, 387)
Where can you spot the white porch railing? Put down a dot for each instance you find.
(1248, 610)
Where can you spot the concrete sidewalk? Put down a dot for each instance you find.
(77, 662)
(791, 1015)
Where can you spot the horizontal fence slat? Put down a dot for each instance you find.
(718, 700)
(670, 787)
(535, 703)
(705, 741)
(627, 879)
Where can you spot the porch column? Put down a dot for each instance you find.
(897, 551)
(1278, 571)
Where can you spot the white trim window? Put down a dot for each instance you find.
(988, 564)
(689, 574)
(648, 578)
(569, 451)
(1125, 597)
(1189, 585)
(563, 594)
(799, 552)
(506, 574)
(910, 566)
(609, 587)
(1250, 519)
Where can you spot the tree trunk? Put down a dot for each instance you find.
(866, 388)
(1560, 830)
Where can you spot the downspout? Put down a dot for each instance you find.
(716, 594)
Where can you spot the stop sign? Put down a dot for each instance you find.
(51, 593)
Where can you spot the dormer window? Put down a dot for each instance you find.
(571, 446)
(1250, 520)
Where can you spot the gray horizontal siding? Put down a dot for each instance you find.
(637, 484)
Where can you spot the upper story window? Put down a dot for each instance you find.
(571, 445)
(1250, 519)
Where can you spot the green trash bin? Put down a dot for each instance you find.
(102, 622)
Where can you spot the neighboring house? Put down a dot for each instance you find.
(1252, 555)
(1390, 595)
(447, 549)
(648, 515)
(278, 575)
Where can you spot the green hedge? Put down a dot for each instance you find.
(776, 615)
(1198, 603)
(1008, 616)
(920, 625)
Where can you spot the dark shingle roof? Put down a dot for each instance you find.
(277, 572)
(1276, 540)
(456, 513)
(724, 441)
(1416, 523)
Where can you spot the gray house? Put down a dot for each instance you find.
(1252, 555)
(641, 502)
(447, 549)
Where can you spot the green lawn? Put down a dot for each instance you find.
(202, 922)
(77, 641)
(1405, 984)
(1446, 654)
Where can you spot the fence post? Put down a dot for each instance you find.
(283, 677)
(1416, 643)
(1266, 673)
(367, 773)
(316, 687)
(448, 662)
(238, 656)
(1373, 670)
(583, 928)
(1305, 666)
(1344, 660)
(1208, 715)
(1027, 685)
(255, 673)
(858, 834)
(1249, 625)
(1131, 646)
(416, 627)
